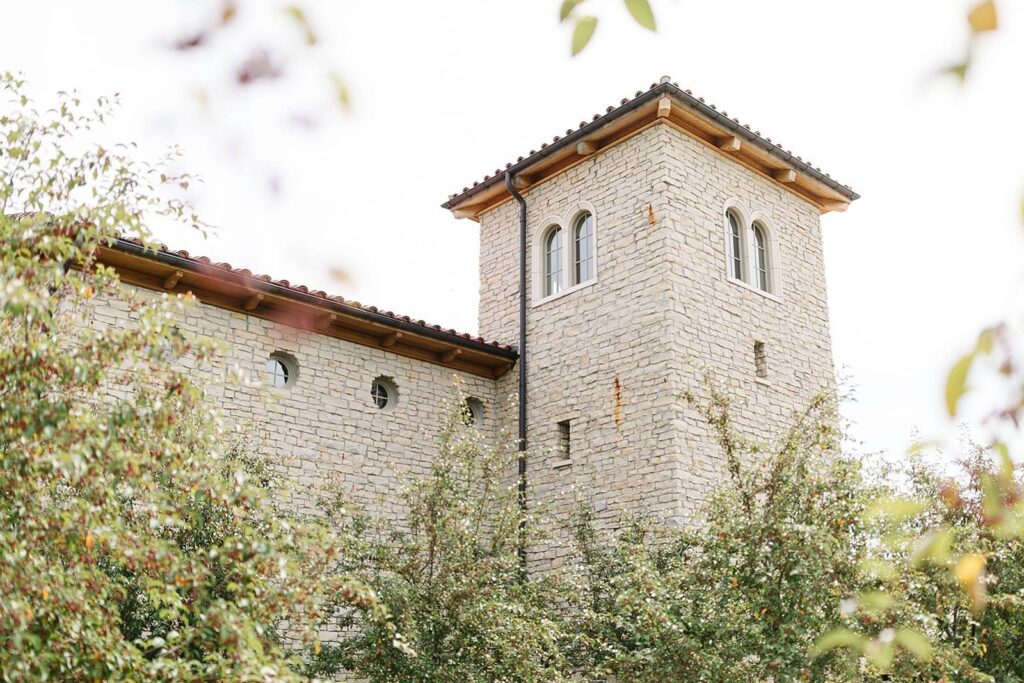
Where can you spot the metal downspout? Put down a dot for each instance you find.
(509, 185)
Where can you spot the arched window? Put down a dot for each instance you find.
(583, 248)
(761, 256)
(735, 247)
(553, 261)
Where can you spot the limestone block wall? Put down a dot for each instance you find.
(614, 356)
(325, 429)
(715, 320)
(597, 356)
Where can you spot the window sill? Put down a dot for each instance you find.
(763, 381)
(755, 290)
(565, 292)
(561, 464)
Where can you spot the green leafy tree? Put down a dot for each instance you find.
(943, 589)
(451, 577)
(132, 545)
(744, 594)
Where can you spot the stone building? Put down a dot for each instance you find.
(662, 239)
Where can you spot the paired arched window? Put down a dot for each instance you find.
(583, 248)
(568, 256)
(760, 256)
(749, 252)
(553, 261)
(735, 247)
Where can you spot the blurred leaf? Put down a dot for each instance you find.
(875, 601)
(881, 650)
(986, 341)
(915, 643)
(956, 383)
(880, 569)
(582, 34)
(991, 498)
(836, 638)
(341, 91)
(228, 12)
(959, 70)
(339, 274)
(933, 547)
(921, 446)
(567, 7)
(1006, 468)
(983, 17)
(969, 571)
(894, 509)
(642, 12)
(299, 15)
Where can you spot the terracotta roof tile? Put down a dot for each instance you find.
(334, 298)
(667, 86)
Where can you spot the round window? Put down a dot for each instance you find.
(473, 411)
(281, 370)
(383, 392)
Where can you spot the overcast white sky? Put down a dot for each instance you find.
(444, 92)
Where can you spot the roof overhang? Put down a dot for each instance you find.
(164, 271)
(664, 104)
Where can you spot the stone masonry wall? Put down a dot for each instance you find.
(325, 429)
(715, 320)
(613, 357)
(597, 356)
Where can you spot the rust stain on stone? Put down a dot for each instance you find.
(618, 402)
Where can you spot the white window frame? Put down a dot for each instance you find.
(390, 387)
(567, 222)
(574, 259)
(291, 368)
(552, 282)
(748, 255)
(772, 254)
(743, 257)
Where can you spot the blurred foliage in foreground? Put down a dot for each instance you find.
(135, 541)
(948, 557)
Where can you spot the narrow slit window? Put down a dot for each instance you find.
(564, 440)
(553, 261)
(761, 256)
(735, 247)
(760, 360)
(583, 248)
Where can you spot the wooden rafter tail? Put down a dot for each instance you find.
(171, 281)
(252, 302)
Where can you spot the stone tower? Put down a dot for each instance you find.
(703, 252)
